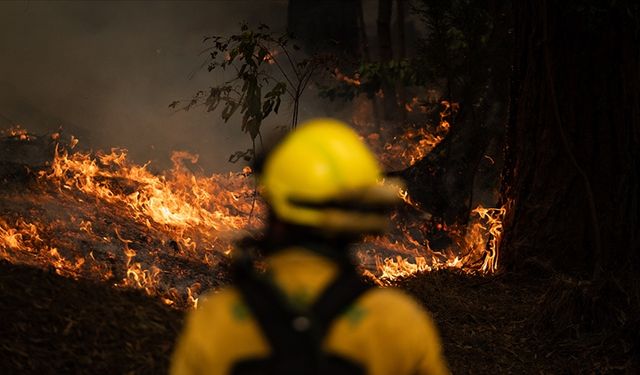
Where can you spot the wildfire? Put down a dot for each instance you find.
(414, 143)
(17, 238)
(448, 110)
(474, 248)
(16, 132)
(101, 216)
(352, 81)
(180, 201)
(110, 219)
(270, 57)
(490, 234)
(422, 140)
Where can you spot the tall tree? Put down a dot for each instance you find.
(572, 169)
(327, 25)
(385, 50)
(466, 53)
(401, 25)
(401, 52)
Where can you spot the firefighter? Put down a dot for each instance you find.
(309, 312)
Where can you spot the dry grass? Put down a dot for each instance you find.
(51, 324)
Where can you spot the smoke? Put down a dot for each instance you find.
(106, 72)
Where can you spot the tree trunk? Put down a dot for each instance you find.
(366, 56)
(384, 30)
(385, 51)
(401, 53)
(401, 26)
(572, 167)
(442, 181)
(456, 175)
(327, 25)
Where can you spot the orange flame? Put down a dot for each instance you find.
(475, 249)
(17, 132)
(353, 81)
(199, 217)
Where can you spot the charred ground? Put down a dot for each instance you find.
(52, 324)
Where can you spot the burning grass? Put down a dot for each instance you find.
(99, 216)
(141, 244)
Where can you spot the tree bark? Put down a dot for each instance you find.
(572, 163)
(385, 52)
(401, 53)
(327, 25)
(384, 30)
(456, 176)
(401, 25)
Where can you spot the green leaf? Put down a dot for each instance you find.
(262, 54)
(247, 52)
(229, 110)
(232, 54)
(277, 106)
(267, 107)
(253, 127)
(238, 155)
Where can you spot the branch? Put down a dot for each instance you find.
(292, 61)
(280, 68)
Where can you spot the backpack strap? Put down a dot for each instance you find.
(295, 337)
(294, 351)
(336, 298)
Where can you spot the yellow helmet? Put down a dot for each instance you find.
(322, 175)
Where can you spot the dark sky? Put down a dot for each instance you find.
(108, 70)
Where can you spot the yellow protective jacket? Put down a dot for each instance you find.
(385, 331)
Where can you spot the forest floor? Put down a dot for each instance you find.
(52, 324)
(65, 325)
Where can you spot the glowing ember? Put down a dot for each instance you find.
(412, 146)
(16, 132)
(271, 57)
(353, 81)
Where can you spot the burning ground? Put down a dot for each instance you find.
(102, 256)
(101, 217)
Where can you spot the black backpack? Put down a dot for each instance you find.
(296, 337)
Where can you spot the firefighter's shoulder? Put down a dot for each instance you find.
(221, 321)
(225, 304)
(390, 332)
(389, 309)
(227, 313)
(395, 302)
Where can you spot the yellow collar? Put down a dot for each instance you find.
(301, 274)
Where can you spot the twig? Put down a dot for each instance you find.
(292, 61)
(255, 182)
